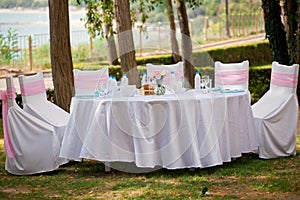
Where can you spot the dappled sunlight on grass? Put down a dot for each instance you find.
(246, 177)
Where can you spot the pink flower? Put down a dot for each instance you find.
(157, 74)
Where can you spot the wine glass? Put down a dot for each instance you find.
(103, 90)
(202, 85)
(205, 80)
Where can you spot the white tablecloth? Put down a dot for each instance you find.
(170, 131)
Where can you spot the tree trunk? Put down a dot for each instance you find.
(275, 31)
(290, 17)
(174, 44)
(227, 19)
(60, 49)
(298, 48)
(111, 45)
(125, 39)
(298, 42)
(187, 51)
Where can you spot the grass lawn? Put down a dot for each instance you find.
(247, 177)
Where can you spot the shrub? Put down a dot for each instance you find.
(8, 46)
(257, 53)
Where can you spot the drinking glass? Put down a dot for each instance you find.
(103, 90)
(205, 80)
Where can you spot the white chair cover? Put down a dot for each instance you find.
(276, 113)
(232, 75)
(176, 68)
(31, 145)
(35, 103)
(86, 82)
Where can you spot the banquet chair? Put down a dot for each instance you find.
(86, 82)
(31, 145)
(232, 75)
(276, 113)
(35, 103)
(176, 68)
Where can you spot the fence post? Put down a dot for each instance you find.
(232, 21)
(91, 48)
(192, 27)
(159, 42)
(256, 22)
(141, 42)
(239, 24)
(243, 24)
(253, 22)
(30, 51)
(206, 27)
(220, 27)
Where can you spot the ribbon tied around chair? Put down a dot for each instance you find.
(89, 82)
(284, 79)
(33, 88)
(10, 93)
(229, 77)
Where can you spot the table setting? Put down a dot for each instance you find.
(187, 129)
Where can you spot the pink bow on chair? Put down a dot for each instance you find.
(231, 76)
(284, 79)
(10, 93)
(33, 88)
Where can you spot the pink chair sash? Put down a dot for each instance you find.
(4, 96)
(283, 79)
(33, 88)
(231, 77)
(89, 82)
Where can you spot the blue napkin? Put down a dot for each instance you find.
(232, 91)
(85, 95)
(214, 89)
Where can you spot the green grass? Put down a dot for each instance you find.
(247, 177)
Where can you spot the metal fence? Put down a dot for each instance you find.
(34, 50)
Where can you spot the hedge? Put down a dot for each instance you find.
(257, 53)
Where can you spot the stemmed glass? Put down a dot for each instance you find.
(205, 82)
(103, 90)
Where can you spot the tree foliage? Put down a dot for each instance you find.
(8, 46)
(98, 13)
(23, 3)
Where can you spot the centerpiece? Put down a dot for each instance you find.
(159, 78)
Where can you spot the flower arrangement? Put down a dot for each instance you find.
(159, 77)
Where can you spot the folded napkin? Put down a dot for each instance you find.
(232, 91)
(215, 89)
(85, 95)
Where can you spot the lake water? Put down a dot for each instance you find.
(36, 23)
(30, 22)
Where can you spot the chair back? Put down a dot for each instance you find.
(10, 90)
(284, 78)
(35, 101)
(87, 82)
(232, 75)
(33, 88)
(167, 69)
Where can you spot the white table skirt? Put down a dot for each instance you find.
(170, 131)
